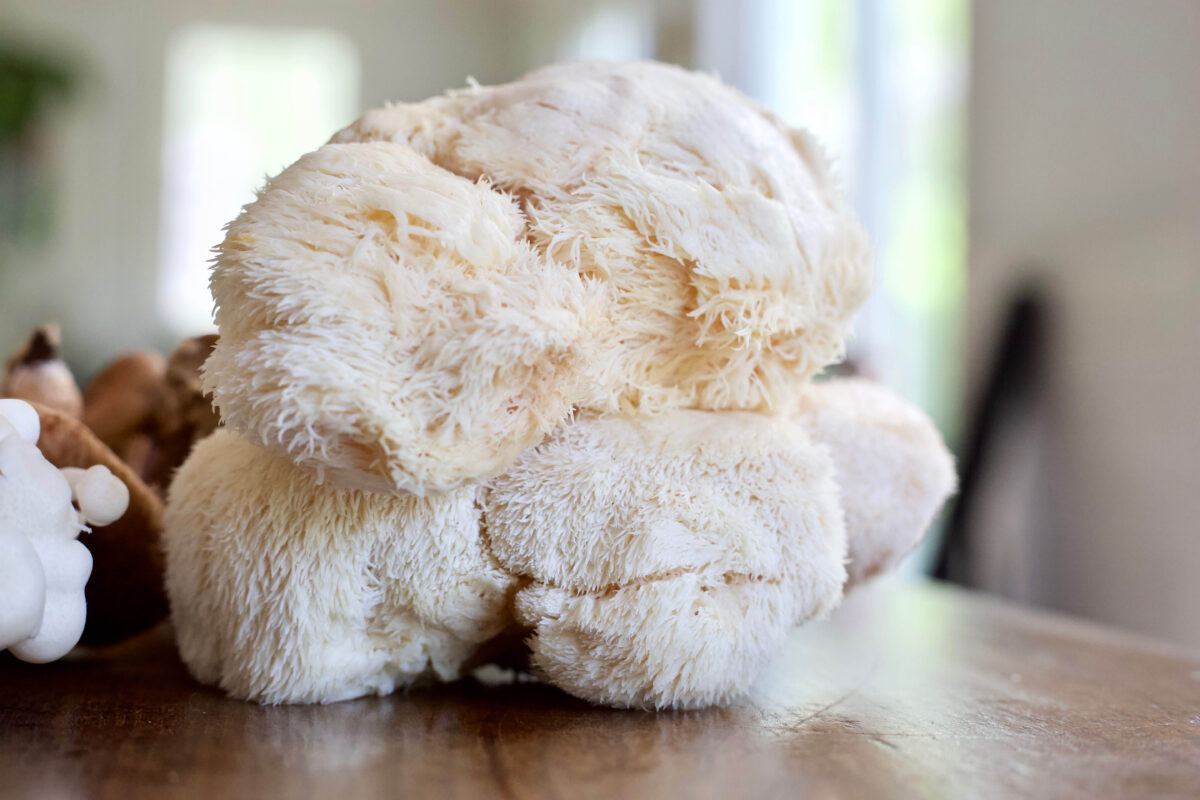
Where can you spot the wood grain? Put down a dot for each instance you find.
(919, 691)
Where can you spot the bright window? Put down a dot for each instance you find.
(883, 85)
(241, 103)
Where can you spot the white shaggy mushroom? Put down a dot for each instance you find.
(731, 263)
(284, 590)
(669, 556)
(385, 323)
(892, 466)
(551, 342)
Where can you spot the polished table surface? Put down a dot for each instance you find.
(906, 691)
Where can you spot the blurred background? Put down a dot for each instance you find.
(1028, 170)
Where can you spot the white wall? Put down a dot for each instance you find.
(1085, 160)
(104, 150)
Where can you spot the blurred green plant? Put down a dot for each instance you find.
(30, 83)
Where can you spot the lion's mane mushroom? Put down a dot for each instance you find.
(412, 590)
(420, 378)
(893, 469)
(539, 354)
(666, 559)
(731, 264)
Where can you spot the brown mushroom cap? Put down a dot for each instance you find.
(183, 416)
(35, 373)
(121, 400)
(186, 398)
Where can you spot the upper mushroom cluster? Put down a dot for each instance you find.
(625, 238)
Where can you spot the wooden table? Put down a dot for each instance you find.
(914, 691)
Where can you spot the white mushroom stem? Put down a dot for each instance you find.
(101, 497)
(24, 592)
(17, 416)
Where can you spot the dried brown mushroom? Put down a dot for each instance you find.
(36, 373)
(125, 591)
(151, 411)
(185, 415)
(120, 404)
(139, 418)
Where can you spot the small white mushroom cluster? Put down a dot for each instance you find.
(43, 565)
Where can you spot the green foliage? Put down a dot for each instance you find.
(28, 82)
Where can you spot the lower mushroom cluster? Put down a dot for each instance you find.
(653, 563)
